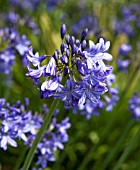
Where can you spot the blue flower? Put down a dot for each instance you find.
(51, 68)
(98, 52)
(35, 59)
(74, 73)
(92, 92)
(49, 87)
(5, 140)
(69, 94)
(36, 73)
(17, 122)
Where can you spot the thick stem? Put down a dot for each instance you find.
(44, 126)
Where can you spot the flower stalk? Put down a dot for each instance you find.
(44, 126)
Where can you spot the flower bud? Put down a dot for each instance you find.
(84, 34)
(68, 39)
(64, 59)
(66, 70)
(62, 47)
(83, 44)
(72, 40)
(55, 55)
(63, 31)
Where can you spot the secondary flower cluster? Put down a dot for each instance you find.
(75, 73)
(16, 123)
(134, 106)
(14, 43)
(19, 123)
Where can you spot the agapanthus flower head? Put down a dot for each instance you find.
(19, 123)
(75, 73)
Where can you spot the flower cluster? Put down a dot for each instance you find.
(75, 73)
(134, 106)
(19, 123)
(16, 123)
(15, 43)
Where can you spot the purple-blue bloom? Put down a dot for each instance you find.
(48, 88)
(75, 73)
(16, 122)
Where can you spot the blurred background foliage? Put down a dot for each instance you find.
(106, 142)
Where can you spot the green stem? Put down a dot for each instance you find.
(44, 126)
(127, 150)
